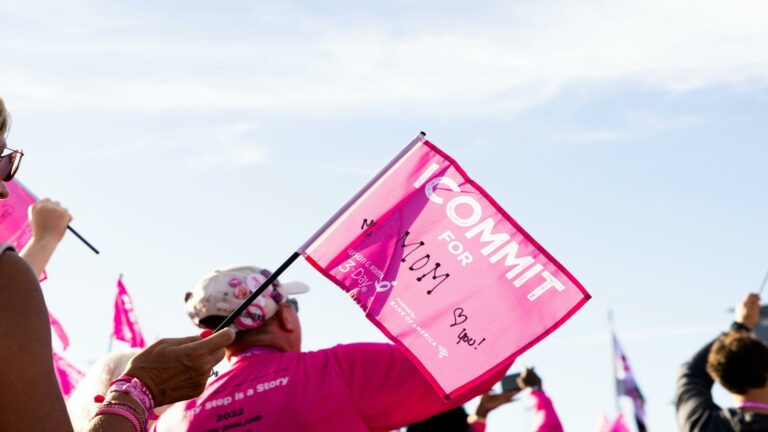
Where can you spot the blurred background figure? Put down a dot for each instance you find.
(457, 419)
(739, 362)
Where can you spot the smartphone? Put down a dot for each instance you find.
(509, 382)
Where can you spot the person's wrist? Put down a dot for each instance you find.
(137, 373)
(482, 412)
(476, 418)
(739, 325)
(46, 240)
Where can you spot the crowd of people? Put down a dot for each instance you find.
(270, 384)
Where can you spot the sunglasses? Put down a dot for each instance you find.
(9, 163)
(293, 303)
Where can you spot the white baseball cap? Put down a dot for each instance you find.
(220, 292)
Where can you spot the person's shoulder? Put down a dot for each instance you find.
(14, 270)
(745, 421)
(355, 348)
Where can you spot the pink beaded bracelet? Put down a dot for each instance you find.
(137, 390)
(122, 412)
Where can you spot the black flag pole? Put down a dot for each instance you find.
(325, 227)
(254, 295)
(77, 234)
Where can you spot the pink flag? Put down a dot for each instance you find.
(126, 326)
(616, 425)
(442, 270)
(14, 220)
(627, 386)
(59, 331)
(67, 374)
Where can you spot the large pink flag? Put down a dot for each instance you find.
(443, 270)
(59, 331)
(126, 326)
(67, 374)
(14, 222)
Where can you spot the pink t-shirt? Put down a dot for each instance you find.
(351, 388)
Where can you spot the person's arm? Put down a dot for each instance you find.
(696, 409)
(30, 399)
(172, 369)
(544, 414)
(390, 390)
(488, 402)
(48, 220)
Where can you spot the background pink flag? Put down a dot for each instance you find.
(126, 326)
(59, 331)
(443, 270)
(67, 374)
(14, 221)
(616, 425)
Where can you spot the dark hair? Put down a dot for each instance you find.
(454, 420)
(739, 362)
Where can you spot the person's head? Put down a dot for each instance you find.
(271, 320)
(9, 159)
(739, 362)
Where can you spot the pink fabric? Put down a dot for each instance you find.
(444, 271)
(350, 388)
(67, 374)
(544, 418)
(14, 218)
(616, 425)
(477, 427)
(126, 326)
(59, 331)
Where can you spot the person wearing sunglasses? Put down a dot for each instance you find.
(168, 371)
(271, 385)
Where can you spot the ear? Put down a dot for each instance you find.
(187, 296)
(287, 318)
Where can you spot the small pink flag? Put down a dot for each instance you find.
(442, 270)
(67, 374)
(59, 331)
(14, 219)
(126, 326)
(616, 425)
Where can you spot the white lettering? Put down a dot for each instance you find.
(485, 229)
(550, 281)
(432, 168)
(432, 185)
(510, 250)
(477, 212)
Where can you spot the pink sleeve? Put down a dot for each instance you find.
(477, 427)
(389, 390)
(544, 415)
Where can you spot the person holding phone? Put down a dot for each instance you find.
(457, 420)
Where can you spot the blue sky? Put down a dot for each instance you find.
(627, 137)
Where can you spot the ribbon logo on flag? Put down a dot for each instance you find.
(442, 270)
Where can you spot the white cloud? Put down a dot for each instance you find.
(229, 148)
(520, 56)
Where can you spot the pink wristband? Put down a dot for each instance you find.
(122, 412)
(137, 390)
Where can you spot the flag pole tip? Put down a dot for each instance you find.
(422, 133)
